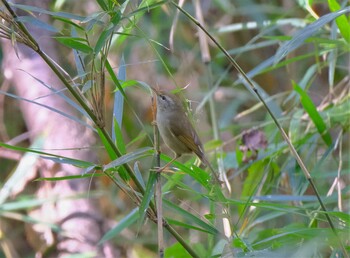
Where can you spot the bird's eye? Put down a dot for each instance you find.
(162, 97)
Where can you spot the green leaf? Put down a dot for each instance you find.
(69, 177)
(102, 4)
(22, 149)
(315, 116)
(114, 78)
(176, 250)
(118, 106)
(344, 217)
(143, 152)
(108, 32)
(69, 22)
(185, 225)
(196, 173)
(70, 161)
(19, 216)
(102, 39)
(47, 107)
(300, 36)
(75, 43)
(30, 8)
(147, 197)
(128, 83)
(36, 22)
(112, 155)
(26, 163)
(25, 204)
(253, 179)
(126, 222)
(138, 174)
(339, 114)
(342, 21)
(66, 99)
(295, 127)
(190, 217)
(119, 137)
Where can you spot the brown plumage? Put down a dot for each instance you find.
(176, 129)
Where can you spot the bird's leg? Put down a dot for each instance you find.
(168, 164)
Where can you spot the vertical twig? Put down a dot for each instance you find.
(159, 204)
(158, 191)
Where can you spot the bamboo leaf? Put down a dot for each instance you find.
(129, 157)
(29, 8)
(190, 217)
(70, 161)
(112, 155)
(69, 177)
(75, 43)
(126, 222)
(315, 116)
(36, 22)
(118, 137)
(342, 22)
(147, 198)
(300, 36)
(118, 108)
(26, 163)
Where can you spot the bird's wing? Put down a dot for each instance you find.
(188, 136)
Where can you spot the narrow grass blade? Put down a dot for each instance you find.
(300, 36)
(119, 100)
(143, 152)
(61, 94)
(69, 177)
(342, 21)
(146, 198)
(315, 116)
(18, 176)
(43, 11)
(118, 136)
(70, 161)
(126, 222)
(38, 23)
(190, 217)
(75, 119)
(112, 155)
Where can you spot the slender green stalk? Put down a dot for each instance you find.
(284, 135)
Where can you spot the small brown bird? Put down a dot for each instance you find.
(176, 129)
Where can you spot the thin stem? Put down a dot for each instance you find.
(158, 191)
(159, 203)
